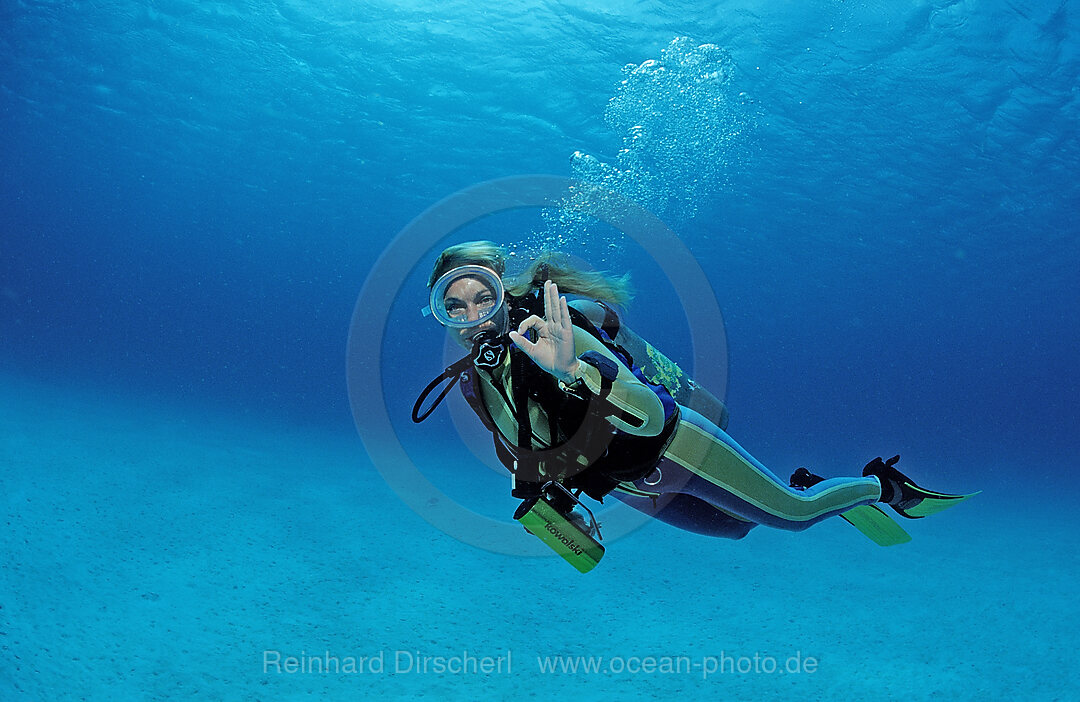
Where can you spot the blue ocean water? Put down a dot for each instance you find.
(881, 194)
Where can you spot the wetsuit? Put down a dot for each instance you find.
(679, 467)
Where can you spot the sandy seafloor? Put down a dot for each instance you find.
(156, 552)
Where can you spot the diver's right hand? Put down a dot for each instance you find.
(553, 349)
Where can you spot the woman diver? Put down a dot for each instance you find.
(572, 411)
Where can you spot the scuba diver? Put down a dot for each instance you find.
(579, 404)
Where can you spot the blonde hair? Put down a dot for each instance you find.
(478, 253)
(548, 265)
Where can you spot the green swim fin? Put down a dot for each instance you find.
(923, 502)
(872, 521)
(903, 495)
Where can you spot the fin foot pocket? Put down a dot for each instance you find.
(904, 496)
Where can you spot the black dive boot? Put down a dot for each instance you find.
(802, 479)
(890, 478)
(903, 495)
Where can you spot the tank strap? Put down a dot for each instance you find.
(611, 324)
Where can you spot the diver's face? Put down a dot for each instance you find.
(469, 299)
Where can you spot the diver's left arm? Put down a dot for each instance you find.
(634, 407)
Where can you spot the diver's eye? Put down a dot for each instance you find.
(486, 302)
(455, 309)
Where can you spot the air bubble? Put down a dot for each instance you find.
(683, 129)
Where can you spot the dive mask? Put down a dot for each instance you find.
(466, 305)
